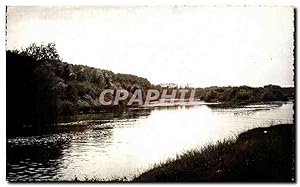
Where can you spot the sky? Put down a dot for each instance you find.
(200, 46)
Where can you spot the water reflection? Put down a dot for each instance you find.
(130, 113)
(245, 110)
(35, 158)
(130, 143)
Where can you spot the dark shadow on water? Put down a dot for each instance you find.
(35, 158)
(122, 114)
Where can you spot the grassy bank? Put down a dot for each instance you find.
(258, 155)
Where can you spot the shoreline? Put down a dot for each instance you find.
(264, 154)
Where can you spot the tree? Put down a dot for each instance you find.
(31, 101)
(43, 52)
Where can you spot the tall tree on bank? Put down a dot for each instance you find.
(31, 102)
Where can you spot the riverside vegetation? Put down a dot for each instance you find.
(41, 87)
(258, 155)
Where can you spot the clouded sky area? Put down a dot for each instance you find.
(202, 46)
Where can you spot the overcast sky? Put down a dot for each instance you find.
(202, 46)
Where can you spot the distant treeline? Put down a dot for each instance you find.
(245, 94)
(40, 87)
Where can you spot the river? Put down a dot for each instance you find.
(125, 145)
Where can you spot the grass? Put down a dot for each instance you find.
(258, 155)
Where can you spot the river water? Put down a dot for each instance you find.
(127, 144)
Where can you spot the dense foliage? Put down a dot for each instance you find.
(40, 86)
(245, 93)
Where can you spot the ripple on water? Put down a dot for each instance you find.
(124, 148)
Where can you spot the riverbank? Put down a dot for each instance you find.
(258, 155)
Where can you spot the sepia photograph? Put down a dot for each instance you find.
(150, 94)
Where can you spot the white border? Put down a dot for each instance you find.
(3, 3)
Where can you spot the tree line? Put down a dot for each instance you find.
(41, 86)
